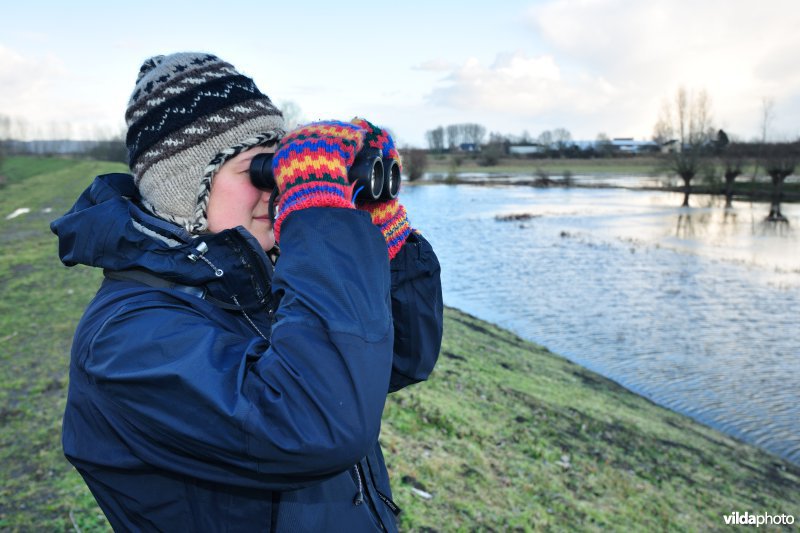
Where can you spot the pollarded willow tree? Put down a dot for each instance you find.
(686, 120)
(779, 161)
(733, 157)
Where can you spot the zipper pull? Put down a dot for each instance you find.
(359, 498)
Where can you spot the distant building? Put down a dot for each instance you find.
(620, 145)
(526, 149)
(627, 145)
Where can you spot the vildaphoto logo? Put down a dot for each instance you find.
(763, 519)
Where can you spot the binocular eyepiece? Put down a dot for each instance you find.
(375, 178)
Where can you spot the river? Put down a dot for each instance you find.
(694, 308)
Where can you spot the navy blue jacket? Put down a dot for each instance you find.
(211, 391)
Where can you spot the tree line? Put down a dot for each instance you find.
(454, 136)
(555, 143)
(685, 124)
(104, 146)
(684, 135)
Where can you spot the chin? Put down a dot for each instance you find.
(267, 243)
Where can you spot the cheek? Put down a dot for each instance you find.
(225, 213)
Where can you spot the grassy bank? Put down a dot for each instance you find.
(447, 168)
(505, 435)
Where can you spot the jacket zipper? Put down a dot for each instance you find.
(254, 260)
(359, 498)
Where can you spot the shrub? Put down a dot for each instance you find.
(415, 162)
(491, 155)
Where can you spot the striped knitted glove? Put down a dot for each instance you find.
(389, 215)
(311, 165)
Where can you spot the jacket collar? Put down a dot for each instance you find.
(108, 228)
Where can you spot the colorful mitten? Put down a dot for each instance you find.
(390, 215)
(311, 165)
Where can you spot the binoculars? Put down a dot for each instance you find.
(379, 178)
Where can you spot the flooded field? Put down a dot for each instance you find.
(695, 308)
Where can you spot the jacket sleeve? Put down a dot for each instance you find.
(194, 398)
(417, 312)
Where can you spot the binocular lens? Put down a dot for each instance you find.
(261, 172)
(379, 179)
(367, 173)
(376, 181)
(392, 180)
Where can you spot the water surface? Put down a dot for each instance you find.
(695, 308)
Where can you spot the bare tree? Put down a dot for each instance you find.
(546, 139)
(5, 128)
(436, 139)
(20, 129)
(663, 131)
(687, 119)
(767, 113)
(603, 145)
(562, 139)
(779, 161)
(453, 136)
(109, 147)
(474, 133)
(733, 157)
(499, 138)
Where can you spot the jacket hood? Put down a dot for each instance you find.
(107, 228)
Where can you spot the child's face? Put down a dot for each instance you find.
(234, 201)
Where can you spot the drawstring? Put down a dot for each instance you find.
(201, 249)
(359, 498)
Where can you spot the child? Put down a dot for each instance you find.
(213, 385)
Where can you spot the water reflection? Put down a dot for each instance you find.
(694, 308)
(685, 227)
(775, 228)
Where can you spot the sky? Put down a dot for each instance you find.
(591, 66)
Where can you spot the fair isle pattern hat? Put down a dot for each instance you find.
(188, 114)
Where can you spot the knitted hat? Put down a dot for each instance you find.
(188, 114)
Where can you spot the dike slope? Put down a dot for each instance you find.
(504, 436)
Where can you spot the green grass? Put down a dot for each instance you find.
(634, 166)
(40, 303)
(504, 436)
(638, 166)
(508, 435)
(19, 168)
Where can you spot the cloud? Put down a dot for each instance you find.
(518, 83)
(738, 51)
(607, 65)
(434, 65)
(48, 100)
(26, 85)
(22, 79)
